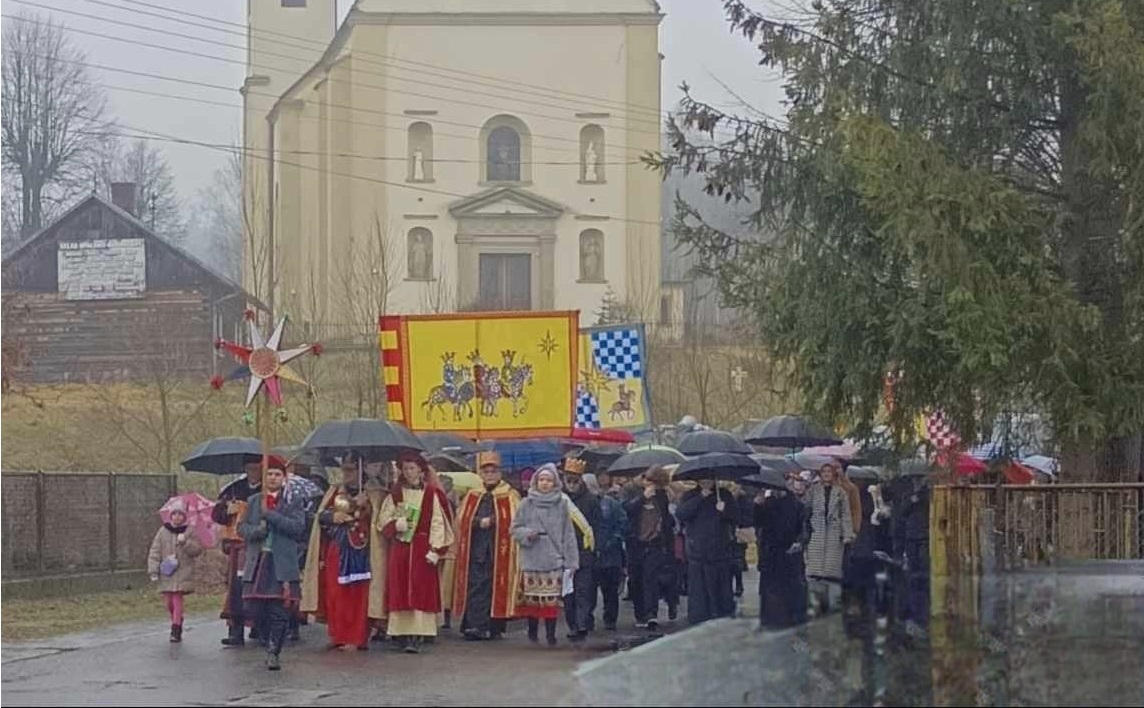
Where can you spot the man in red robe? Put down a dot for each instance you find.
(417, 522)
(488, 572)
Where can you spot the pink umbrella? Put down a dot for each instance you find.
(198, 510)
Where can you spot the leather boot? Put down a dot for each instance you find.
(533, 629)
(176, 633)
(550, 631)
(235, 638)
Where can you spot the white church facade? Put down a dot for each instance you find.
(438, 155)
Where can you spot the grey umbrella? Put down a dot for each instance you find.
(862, 474)
(223, 455)
(374, 439)
(444, 462)
(702, 442)
(451, 443)
(780, 463)
(791, 431)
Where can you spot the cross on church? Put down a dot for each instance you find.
(738, 376)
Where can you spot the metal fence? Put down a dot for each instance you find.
(1034, 524)
(66, 523)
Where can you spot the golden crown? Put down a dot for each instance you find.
(574, 465)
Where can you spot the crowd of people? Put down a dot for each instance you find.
(392, 553)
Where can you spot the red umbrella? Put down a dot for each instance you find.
(1016, 473)
(198, 511)
(964, 464)
(604, 435)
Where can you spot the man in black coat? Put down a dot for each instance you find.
(709, 516)
(578, 606)
(782, 530)
(226, 513)
(652, 529)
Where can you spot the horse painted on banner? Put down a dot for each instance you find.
(461, 385)
(624, 407)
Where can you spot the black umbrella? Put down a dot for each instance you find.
(862, 474)
(703, 442)
(223, 455)
(767, 477)
(639, 459)
(449, 442)
(374, 439)
(444, 462)
(779, 463)
(716, 465)
(600, 456)
(295, 454)
(914, 468)
(791, 431)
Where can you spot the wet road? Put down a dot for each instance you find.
(135, 665)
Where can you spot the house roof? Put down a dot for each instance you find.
(147, 232)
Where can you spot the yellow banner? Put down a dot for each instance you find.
(490, 375)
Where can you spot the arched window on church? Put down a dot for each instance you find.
(506, 150)
(420, 144)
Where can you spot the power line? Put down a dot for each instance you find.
(246, 31)
(376, 180)
(393, 158)
(300, 73)
(220, 87)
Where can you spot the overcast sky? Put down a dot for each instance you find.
(694, 38)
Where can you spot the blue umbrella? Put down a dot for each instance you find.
(518, 454)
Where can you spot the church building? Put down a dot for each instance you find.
(443, 155)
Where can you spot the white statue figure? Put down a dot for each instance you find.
(418, 165)
(422, 256)
(591, 171)
(590, 259)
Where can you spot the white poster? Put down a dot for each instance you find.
(103, 269)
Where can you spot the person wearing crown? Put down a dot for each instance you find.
(345, 587)
(487, 574)
(579, 607)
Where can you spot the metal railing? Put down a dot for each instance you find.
(69, 523)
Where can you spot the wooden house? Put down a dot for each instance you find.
(97, 296)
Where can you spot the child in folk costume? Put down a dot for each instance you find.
(171, 563)
(417, 520)
(545, 529)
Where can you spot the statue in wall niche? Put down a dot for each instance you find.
(591, 163)
(420, 254)
(418, 165)
(591, 258)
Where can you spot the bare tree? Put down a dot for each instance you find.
(158, 203)
(440, 295)
(370, 268)
(52, 121)
(218, 218)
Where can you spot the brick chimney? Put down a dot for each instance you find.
(124, 196)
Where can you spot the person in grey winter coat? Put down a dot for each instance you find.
(831, 530)
(171, 563)
(543, 527)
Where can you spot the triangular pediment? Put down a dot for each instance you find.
(502, 201)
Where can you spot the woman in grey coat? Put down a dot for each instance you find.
(544, 528)
(831, 530)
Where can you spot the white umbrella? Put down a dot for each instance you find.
(1043, 463)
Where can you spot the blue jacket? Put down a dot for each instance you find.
(613, 531)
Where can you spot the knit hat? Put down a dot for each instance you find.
(177, 506)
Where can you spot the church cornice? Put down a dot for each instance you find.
(504, 18)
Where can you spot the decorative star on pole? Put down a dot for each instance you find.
(264, 363)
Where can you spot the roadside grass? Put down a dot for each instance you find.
(26, 619)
